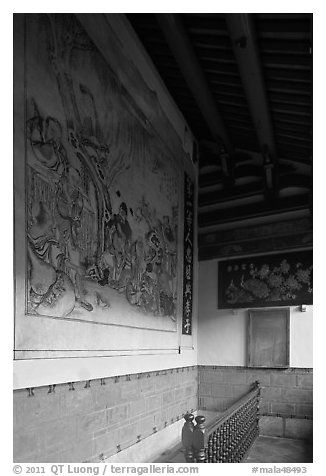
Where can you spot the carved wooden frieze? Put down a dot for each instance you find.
(266, 281)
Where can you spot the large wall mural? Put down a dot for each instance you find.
(102, 195)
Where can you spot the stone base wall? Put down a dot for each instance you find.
(93, 420)
(297, 428)
(286, 406)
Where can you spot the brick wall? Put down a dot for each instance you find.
(286, 396)
(90, 421)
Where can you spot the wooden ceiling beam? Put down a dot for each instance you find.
(260, 209)
(245, 46)
(183, 51)
(219, 196)
(243, 38)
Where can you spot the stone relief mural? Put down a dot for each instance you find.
(101, 191)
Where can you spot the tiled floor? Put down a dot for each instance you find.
(266, 449)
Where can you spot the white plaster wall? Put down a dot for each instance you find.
(38, 372)
(222, 334)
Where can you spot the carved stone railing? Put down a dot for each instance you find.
(228, 438)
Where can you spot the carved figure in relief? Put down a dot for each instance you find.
(68, 210)
(51, 291)
(119, 235)
(45, 138)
